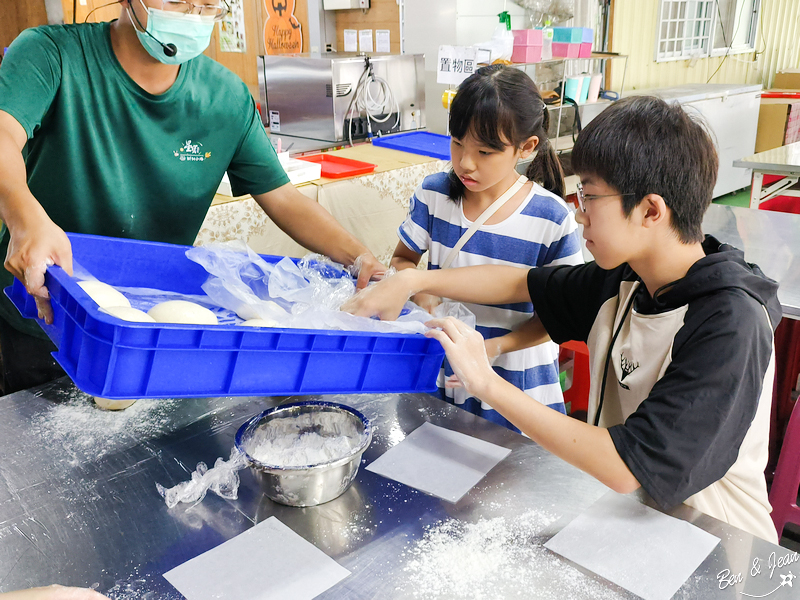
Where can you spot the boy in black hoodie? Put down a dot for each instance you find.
(679, 327)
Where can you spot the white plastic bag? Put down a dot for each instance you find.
(304, 295)
(501, 46)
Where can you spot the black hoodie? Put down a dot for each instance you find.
(683, 381)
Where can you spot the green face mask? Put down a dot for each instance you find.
(189, 35)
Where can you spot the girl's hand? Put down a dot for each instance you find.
(466, 353)
(54, 592)
(494, 348)
(384, 299)
(367, 268)
(426, 302)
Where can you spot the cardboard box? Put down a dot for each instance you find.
(787, 79)
(778, 123)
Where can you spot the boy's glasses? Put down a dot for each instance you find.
(583, 197)
(217, 11)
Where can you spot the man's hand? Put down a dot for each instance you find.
(466, 353)
(54, 592)
(31, 249)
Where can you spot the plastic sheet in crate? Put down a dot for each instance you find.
(117, 359)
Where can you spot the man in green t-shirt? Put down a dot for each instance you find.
(125, 129)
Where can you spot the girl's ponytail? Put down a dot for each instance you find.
(545, 169)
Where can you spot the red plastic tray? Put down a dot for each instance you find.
(334, 167)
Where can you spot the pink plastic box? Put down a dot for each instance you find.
(527, 37)
(526, 54)
(566, 50)
(585, 50)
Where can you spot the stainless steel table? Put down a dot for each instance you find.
(769, 239)
(784, 160)
(78, 502)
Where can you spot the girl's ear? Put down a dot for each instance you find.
(528, 146)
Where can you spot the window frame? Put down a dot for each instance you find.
(703, 43)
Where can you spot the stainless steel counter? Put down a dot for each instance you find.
(78, 502)
(784, 160)
(769, 239)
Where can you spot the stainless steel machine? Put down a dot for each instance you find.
(336, 97)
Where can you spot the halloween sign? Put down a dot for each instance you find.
(282, 31)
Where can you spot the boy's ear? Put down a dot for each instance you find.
(654, 210)
(528, 146)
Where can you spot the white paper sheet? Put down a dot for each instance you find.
(383, 41)
(365, 40)
(444, 463)
(640, 549)
(266, 562)
(351, 40)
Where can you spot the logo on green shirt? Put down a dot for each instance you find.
(192, 151)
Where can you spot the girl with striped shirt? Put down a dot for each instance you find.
(497, 118)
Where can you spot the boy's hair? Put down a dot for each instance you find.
(643, 145)
(499, 106)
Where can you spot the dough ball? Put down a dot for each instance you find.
(259, 323)
(103, 294)
(182, 311)
(126, 313)
(107, 404)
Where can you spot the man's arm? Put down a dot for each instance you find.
(313, 227)
(35, 241)
(487, 284)
(585, 446)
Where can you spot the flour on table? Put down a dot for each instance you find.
(83, 432)
(497, 558)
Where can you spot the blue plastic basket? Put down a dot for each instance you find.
(111, 358)
(417, 142)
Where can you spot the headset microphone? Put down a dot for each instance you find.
(169, 49)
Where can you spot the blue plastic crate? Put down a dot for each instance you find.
(111, 358)
(417, 142)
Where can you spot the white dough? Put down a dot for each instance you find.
(126, 313)
(103, 294)
(259, 323)
(107, 404)
(182, 311)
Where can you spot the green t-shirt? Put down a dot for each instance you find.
(106, 157)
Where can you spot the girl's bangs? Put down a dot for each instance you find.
(483, 117)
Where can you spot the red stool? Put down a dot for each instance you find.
(786, 484)
(577, 396)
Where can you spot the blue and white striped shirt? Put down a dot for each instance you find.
(542, 231)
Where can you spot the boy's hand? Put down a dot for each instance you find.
(31, 249)
(54, 592)
(426, 302)
(493, 350)
(466, 353)
(384, 299)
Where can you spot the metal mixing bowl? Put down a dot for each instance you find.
(307, 485)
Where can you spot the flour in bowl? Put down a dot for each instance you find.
(306, 439)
